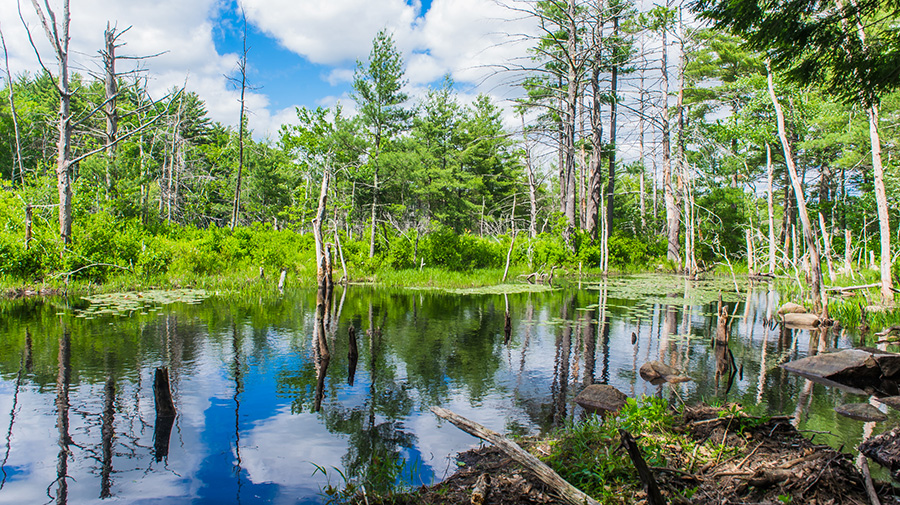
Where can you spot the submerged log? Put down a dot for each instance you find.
(544, 473)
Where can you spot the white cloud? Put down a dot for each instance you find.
(339, 75)
(463, 38)
(330, 32)
(182, 31)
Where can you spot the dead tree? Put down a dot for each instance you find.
(812, 245)
(322, 271)
(58, 36)
(242, 69)
(15, 117)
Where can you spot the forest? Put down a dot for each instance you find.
(681, 138)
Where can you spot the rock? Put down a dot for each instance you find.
(791, 308)
(865, 369)
(861, 412)
(884, 449)
(888, 362)
(891, 401)
(800, 320)
(657, 372)
(601, 398)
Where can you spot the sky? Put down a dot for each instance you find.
(301, 52)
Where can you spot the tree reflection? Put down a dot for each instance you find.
(62, 417)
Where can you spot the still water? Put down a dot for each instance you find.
(265, 417)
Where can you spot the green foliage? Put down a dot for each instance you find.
(722, 224)
(587, 455)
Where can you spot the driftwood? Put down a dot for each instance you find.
(481, 490)
(544, 473)
(853, 288)
(654, 497)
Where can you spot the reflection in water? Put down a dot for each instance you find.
(237, 372)
(267, 386)
(62, 418)
(107, 433)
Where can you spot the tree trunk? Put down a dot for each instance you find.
(58, 36)
(611, 181)
(15, 117)
(771, 207)
(595, 185)
(884, 226)
(809, 235)
(374, 205)
(242, 67)
(569, 125)
(112, 116)
(321, 254)
(673, 225)
(826, 243)
(532, 183)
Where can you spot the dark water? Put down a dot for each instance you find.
(263, 417)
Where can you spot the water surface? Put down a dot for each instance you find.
(264, 417)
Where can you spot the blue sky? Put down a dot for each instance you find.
(302, 52)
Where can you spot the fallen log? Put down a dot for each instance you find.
(852, 288)
(544, 473)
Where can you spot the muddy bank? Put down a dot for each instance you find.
(721, 459)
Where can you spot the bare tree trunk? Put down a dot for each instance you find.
(322, 270)
(672, 219)
(569, 124)
(770, 171)
(532, 183)
(595, 186)
(826, 243)
(15, 117)
(884, 226)
(809, 235)
(611, 181)
(374, 199)
(109, 108)
(242, 68)
(58, 36)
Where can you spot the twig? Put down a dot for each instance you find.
(867, 479)
(751, 454)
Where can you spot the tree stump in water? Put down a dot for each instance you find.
(162, 394)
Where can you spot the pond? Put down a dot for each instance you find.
(265, 417)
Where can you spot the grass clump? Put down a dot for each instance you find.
(587, 453)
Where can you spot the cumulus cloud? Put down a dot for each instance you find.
(182, 31)
(468, 39)
(330, 32)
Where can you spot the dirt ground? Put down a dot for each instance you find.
(775, 465)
